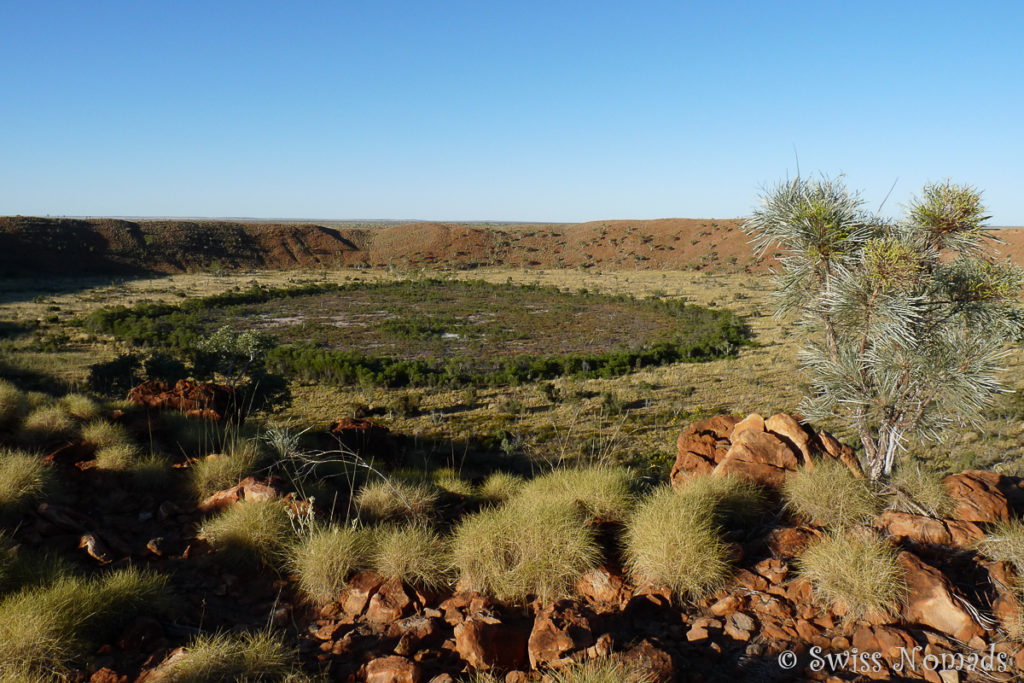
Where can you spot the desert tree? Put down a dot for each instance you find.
(907, 322)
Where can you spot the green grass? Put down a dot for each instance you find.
(831, 496)
(857, 571)
(43, 629)
(524, 549)
(326, 557)
(601, 492)
(250, 532)
(673, 540)
(23, 478)
(395, 499)
(222, 657)
(412, 553)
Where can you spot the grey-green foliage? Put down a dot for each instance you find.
(907, 320)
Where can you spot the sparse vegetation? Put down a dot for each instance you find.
(857, 571)
(673, 540)
(830, 496)
(919, 491)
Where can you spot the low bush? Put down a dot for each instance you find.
(604, 493)
(830, 496)
(920, 491)
(499, 487)
(44, 628)
(326, 557)
(857, 571)
(412, 553)
(673, 540)
(392, 500)
(23, 478)
(524, 550)
(735, 502)
(250, 532)
(246, 658)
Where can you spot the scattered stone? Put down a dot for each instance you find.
(559, 630)
(360, 588)
(487, 643)
(393, 669)
(202, 400)
(978, 496)
(95, 548)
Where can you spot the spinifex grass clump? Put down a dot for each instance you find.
(499, 487)
(23, 478)
(47, 425)
(907, 322)
(411, 553)
(1004, 542)
(735, 502)
(43, 628)
(386, 500)
(12, 404)
(247, 658)
(920, 491)
(250, 532)
(222, 470)
(831, 496)
(326, 557)
(856, 571)
(525, 549)
(80, 407)
(605, 670)
(674, 540)
(100, 434)
(601, 493)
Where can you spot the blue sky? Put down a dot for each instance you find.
(533, 111)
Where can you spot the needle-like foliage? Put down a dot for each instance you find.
(907, 321)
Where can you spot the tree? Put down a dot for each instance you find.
(240, 357)
(907, 321)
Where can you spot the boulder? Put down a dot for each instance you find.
(393, 669)
(361, 588)
(203, 400)
(932, 601)
(250, 489)
(363, 437)
(786, 428)
(559, 630)
(602, 588)
(487, 643)
(979, 496)
(701, 446)
(760, 457)
(833, 448)
(926, 530)
(389, 604)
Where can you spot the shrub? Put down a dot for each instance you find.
(117, 457)
(601, 492)
(521, 550)
(325, 558)
(12, 404)
(100, 434)
(735, 502)
(411, 553)
(604, 670)
(47, 424)
(672, 539)
(918, 490)
(830, 495)
(247, 658)
(43, 628)
(856, 571)
(80, 407)
(250, 532)
(499, 487)
(220, 471)
(23, 478)
(405, 405)
(384, 500)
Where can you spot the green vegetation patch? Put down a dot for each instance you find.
(429, 332)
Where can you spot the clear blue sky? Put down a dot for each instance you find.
(561, 111)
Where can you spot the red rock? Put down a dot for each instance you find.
(752, 421)
(601, 587)
(927, 530)
(558, 630)
(759, 457)
(487, 643)
(700, 447)
(650, 660)
(250, 489)
(841, 452)
(701, 627)
(790, 432)
(773, 569)
(726, 606)
(203, 400)
(360, 588)
(931, 601)
(1006, 606)
(95, 548)
(388, 604)
(740, 626)
(106, 675)
(790, 541)
(462, 604)
(393, 669)
(978, 496)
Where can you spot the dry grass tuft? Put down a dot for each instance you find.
(23, 478)
(100, 434)
(80, 407)
(250, 532)
(857, 571)
(117, 457)
(412, 553)
(830, 496)
(604, 670)
(247, 658)
(220, 471)
(46, 425)
(393, 500)
(602, 492)
(735, 502)
(12, 404)
(450, 483)
(673, 540)
(920, 491)
(499, 487)
(521, 550)
(325, 558)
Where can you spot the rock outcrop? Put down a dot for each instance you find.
(203, 400)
